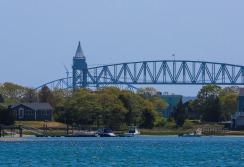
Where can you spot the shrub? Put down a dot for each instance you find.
(188, 124)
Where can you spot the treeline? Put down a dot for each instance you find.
(110, 106)
(117, 108)
(213, 104)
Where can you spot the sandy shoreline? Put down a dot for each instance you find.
(14, 139)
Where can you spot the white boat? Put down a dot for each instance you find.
(191, 135)
(105, 132)
(85, 134)
(132, 132)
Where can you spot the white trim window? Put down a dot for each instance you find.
(29, 112)
(45, 112)
(21, 112)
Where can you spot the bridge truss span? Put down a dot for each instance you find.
(127, 75)
(167, 72)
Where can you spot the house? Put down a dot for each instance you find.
(31, 111)
(237, 120)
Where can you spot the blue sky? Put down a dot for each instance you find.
(37, 36)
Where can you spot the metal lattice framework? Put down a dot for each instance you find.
(160, 72)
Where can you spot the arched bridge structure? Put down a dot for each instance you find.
(167, 72)
(156, 72)
(160, 72)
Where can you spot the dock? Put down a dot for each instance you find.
(12, 128)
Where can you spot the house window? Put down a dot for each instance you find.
(15, 112)
(21, 113)
(45, 112)
(29, 112)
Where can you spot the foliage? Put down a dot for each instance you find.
(1, 98)
(147, 92)
(12, 92)
(187, 124)
(171, 124)
(194, 121)
(212, 110)
(46, 96)
(109, 107)
(228, 104)
(179, 114)
(207, 91)
(112, 110)
(153, 96)
(7, 116)
(29, 96)
(109, 90)
(160, 122)
(230, 90)
(133, 103)
(148, 116)
(117, 108)
(207, 103)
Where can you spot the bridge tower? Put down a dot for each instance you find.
(79, 69)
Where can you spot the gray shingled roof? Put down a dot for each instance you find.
(35, 106)
(241, 92)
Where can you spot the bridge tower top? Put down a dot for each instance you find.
(79, 68)
(79, 52)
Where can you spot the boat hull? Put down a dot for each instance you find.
(107, 135)
(131, 134)
(85, 134)
(105, 132)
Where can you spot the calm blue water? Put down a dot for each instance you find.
(141, 151)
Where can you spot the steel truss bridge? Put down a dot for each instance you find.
(176, 72)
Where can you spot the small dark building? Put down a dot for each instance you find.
(172, 101)
(31, 111)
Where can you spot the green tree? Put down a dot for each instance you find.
(160, 122)
(30, 96)
(85, 107)
(46, 96)
(147, 92)
(133, 104)
(152, 95)
(12, 92)
(113, 111)
(188, 124)
(148, 116)
(109, 90)
(179, 114)
(207, 103)
(212, 110)
(209, 90)
(230, 90)
(59, 96)
(228, 105)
